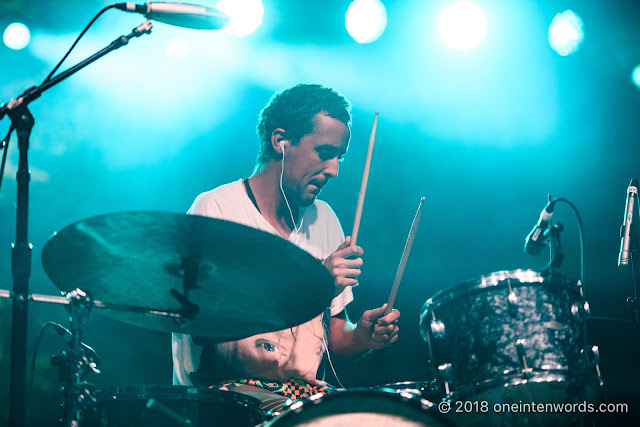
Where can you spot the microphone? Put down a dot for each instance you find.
(179, 14)
(535, 241)
(625, 230)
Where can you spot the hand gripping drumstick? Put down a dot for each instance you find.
(403, 260)
(365, 179)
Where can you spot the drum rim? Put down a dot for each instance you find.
(140, 392)
(358, 391)
(536, 377)
(498, 279)
(417, 401)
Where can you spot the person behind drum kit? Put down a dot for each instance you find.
(304, 131)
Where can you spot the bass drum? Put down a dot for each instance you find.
(374, 408)
(159, 406)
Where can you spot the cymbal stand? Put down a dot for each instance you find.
(190, 266)
(23, 121)
(81, 360)
(74, 365)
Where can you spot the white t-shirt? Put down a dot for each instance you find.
(291, 353)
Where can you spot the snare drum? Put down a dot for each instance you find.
(173, 406)
(499, 332)
(361, 407)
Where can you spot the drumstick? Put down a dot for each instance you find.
(403, 260)
(365, 179)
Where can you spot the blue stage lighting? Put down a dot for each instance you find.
(566, 33)
(245, 16)
(462, 25)
(366, 20)
(16, 36)
(635, 76)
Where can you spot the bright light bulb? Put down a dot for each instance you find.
(245, 16)
(17, 36)
(462, 25)
(366, 20)
(566, 33)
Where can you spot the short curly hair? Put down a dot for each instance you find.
(293, 109)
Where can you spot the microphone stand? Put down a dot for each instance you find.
(23, 121)
(633, 302)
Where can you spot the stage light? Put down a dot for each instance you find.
(16, 36)
(245, 16)
(178, 48)
(366, 20)
(462, 25)
(566, 33)
(635, 76)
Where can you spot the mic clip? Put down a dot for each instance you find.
(557, 254)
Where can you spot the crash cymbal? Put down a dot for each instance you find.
(240, 281)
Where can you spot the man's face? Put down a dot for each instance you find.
(309, 164)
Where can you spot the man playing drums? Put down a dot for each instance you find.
(304, 131)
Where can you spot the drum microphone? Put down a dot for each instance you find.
(625, 230)
(535, 241)
(179, 14)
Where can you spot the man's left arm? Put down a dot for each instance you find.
(374, 330)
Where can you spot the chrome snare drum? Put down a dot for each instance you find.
(172, 406)
(509, 336)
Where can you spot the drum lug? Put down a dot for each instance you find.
(437, 326)
(586, 309)
(437, 329)
(513, 304)
(446, 375)
(512, 299)
(581, 312)
(594, 360)
(521, 345)
(580, 288)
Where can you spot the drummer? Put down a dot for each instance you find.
(304, 132)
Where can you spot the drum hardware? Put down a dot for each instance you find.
(446, 377)
(522, 354)
(473, 359)
(167, 412)
(633, 303)
(189, 268)
(161, 406)
(74, 365)
(23, 121)
(557, 254)
(513, 300)
(371, 407)
(437, 327)
(79, 361)
(594, 360)
(586, 310)
(427, 389)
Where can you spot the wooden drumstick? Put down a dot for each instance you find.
(365, 179)
(403, 260)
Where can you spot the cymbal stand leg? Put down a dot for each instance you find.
(78, 397)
